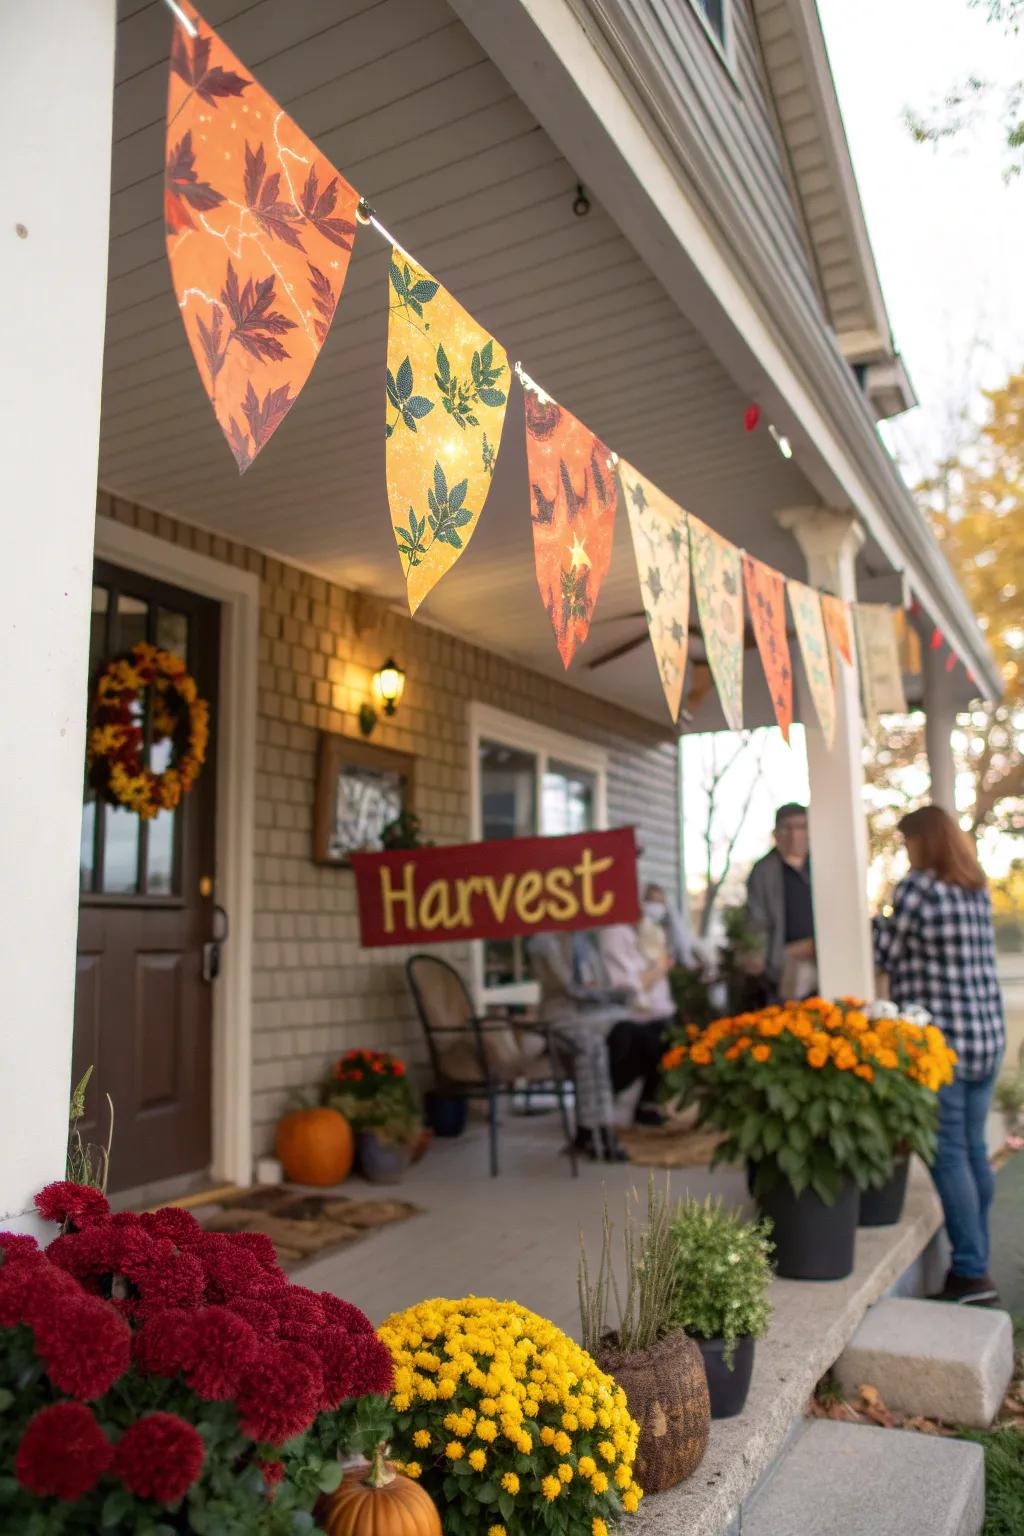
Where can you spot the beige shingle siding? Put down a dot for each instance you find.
(314, 991)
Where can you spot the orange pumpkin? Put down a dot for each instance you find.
(315, 1146)
(378, 1501)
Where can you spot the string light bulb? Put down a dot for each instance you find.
(782, 442)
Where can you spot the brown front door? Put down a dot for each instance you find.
(142, 1006)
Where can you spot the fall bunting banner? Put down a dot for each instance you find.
(662, 549)
(836, 613)
(718, 583)
(259, 232)
(878, 650)
(766, 599)
(573, 499)
(810, 632)
(260, 228)
(447, 390)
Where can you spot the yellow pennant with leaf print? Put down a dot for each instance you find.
(447, 391)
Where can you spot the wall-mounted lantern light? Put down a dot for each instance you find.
(388, 687)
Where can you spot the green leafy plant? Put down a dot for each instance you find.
(691, 993)
(646, 1308)
(724, 1268)
(372, 1090)
(86, 1162)
(812, 1093)
(404, 832)
(1009, 1094)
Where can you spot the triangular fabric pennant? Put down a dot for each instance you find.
(573, 500)
(881, 674)
(718, 583)
(447, 392)
(259, 232)
(766, 600)
(908, 642)
(662, 550)
(836, 613)
(810, 631)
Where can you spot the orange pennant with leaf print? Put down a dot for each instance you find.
(259, 233)
(766, 599)
(573, 500)
(447, 390)
(836, 614)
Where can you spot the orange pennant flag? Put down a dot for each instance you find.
(766, 599)
(259, 233)
(836, 613)
(573, 500)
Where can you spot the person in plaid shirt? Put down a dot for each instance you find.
(938, 950)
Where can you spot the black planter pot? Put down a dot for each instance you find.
(813, 1241)
(727, 1389)
(446, 1116)
(883, 1207)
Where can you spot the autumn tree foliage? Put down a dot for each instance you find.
(975, 502)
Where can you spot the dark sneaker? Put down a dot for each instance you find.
(613, 1152)
(977, 1291)
(588, 1144)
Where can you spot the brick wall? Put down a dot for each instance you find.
(315, 992)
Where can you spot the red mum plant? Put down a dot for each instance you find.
(151, 1360)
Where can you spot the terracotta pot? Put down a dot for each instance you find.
(667, 1392)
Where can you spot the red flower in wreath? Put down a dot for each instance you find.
(116, 743)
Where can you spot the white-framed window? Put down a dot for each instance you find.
(526, 780)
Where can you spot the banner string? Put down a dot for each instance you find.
(179, 15)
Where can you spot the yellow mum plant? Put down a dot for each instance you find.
(813, 1091)
(510, 1426)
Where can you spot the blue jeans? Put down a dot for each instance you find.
(962, 1173)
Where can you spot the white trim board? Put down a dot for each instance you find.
(238, 593)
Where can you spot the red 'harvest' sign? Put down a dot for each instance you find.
(494, 890)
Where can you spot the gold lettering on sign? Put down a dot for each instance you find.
(390, 898)
(587, 868)
(529, 888)
(564, 904)
(434, 909)
(499, 902)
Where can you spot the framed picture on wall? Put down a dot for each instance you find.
(360, 788)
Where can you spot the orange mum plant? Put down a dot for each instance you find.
(813, 1092)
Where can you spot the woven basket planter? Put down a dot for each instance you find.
(667, 1392)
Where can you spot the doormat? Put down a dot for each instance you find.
(668, 1146)
(302, 1227)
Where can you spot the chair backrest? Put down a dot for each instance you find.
(441, 997)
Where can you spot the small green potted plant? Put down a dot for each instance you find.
(724, 1271)
(372, 1090)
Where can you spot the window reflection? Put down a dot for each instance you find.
(568, 800)
(120, 851)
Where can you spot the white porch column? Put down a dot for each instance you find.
(838, 830)
(56, 85)
(939, 720)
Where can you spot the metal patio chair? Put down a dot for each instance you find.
(486, 1057)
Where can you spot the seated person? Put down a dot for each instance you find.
(592, 1017)
(637, 960)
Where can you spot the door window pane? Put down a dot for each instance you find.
(132, 621)
(172, 632)
(160, 854)
(120, 851)
(97, 655)
(568, 800)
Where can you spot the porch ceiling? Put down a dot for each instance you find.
(403, 100)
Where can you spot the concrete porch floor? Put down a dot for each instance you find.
(517, 1236)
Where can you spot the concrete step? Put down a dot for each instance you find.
(853, 1480)
(930, 1358)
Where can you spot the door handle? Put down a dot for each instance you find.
(212, 947)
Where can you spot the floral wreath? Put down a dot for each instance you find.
(116, 745)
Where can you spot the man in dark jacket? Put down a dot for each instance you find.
(780, 908)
